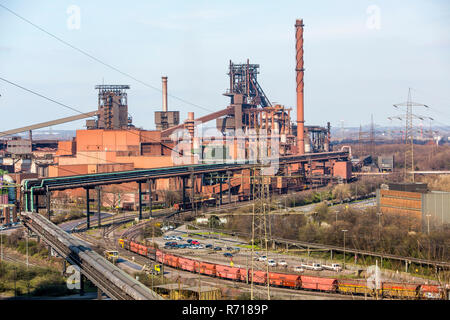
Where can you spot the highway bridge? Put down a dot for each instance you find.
(108, 278)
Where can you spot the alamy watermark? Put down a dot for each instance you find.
(74, 279)
(373, 21)
(74, 18)
(258, 147)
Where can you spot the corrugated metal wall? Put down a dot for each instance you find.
(416, 206)
(436, 204)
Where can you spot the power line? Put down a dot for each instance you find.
(42, 96)
(98, 60)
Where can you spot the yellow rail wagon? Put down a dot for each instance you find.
(112, 255)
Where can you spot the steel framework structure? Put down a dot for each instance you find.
(243, 80)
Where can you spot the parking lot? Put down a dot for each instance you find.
(224, 249)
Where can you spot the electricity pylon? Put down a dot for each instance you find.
(409, 136)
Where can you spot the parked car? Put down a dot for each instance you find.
(179, 238)
(217, 249)
(227, 254)
(209, 246)
(262, 258)
(283, 263)
(195, 242)
(298, 269)
(271, 263)
(189, 240)
(201, 246)
(334, 267)
(229, 249)
(170, 243)
(314, 266)
(166, 238)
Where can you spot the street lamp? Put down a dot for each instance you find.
(344, 231)
(428, 222)
(379, 224)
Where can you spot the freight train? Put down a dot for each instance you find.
(389, 290)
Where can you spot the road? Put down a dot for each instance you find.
(243, 258)
(70, 225)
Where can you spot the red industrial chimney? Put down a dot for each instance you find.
(299, 70)
(164, 93)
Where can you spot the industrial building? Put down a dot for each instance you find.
(250, 130)
(423, 209)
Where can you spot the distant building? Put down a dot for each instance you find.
(386, 163)
(421, 208)
(19, 146)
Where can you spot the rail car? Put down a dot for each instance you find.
(399, 290)
(319, 284)
(285, 280)
(355, 287)
(228, 272)
(390, 290)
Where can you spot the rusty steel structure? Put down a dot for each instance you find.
(112, 107)
(300, 84)
(243, 80)
(251, 129)
(166, 119)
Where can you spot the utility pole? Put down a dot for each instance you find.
(253, 248)
(267, 251)
(99, 207)
(336, 218)
(379, 225)
(372, 136)
(344, 231)
(26, 239)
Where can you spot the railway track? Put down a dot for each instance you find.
(108, 243)
(110, 279)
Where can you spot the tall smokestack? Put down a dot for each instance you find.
(299, 70)
(164, 93)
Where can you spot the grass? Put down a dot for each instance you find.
(32, 281)
(249, 246)
(215, 233)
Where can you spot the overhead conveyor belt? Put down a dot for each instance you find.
(48, 123)
(110, 279)
(32, 187)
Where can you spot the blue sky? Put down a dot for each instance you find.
(351, 71)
